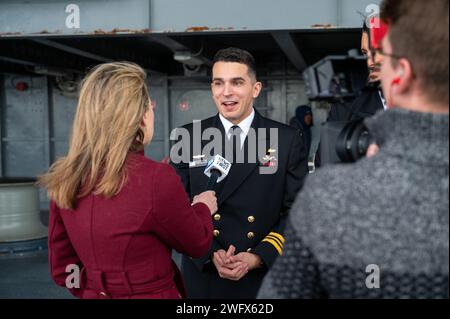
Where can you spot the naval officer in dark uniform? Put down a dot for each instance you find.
(253, 204)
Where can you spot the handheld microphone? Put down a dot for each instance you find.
(216, 169)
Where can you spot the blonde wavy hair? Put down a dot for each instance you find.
(113, 100)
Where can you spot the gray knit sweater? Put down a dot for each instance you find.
(391, 211)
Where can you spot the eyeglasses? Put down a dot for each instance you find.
(381, 52)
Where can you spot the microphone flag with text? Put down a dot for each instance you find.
(216, 169)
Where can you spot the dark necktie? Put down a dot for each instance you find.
(236, 140)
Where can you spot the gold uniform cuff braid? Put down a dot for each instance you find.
(277, 240)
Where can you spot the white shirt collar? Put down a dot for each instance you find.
(383, 100)
(244, 125)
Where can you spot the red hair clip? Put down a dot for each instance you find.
(378, 30)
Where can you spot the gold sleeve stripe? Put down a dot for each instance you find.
(274, 243)
(276, 239)
(281, 238)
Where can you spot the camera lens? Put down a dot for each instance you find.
(353, 142)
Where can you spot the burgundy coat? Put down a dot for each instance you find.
(123, 245)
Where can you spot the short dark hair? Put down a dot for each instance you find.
(418, 31)
(239, 56)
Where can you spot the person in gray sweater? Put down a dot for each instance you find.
(380, 228)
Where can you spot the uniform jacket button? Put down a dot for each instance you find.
(216, 233)
(217, 217)
(251, 219)
(250, 235)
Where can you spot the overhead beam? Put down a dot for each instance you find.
(176, 46)
(35, 65)
(72, 50)
(18, 61)
(85, 54)
(290, 49)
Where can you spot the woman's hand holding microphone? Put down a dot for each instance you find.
(209, 199)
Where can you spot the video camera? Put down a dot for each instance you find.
(336, 78)
(339, 79)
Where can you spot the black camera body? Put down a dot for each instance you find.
(339, 79)
(343, 142)
(336, 78)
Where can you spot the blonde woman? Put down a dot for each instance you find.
(116, 215)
